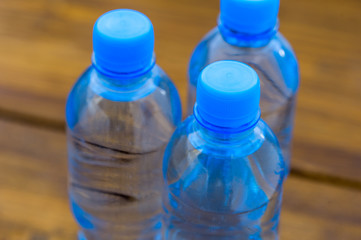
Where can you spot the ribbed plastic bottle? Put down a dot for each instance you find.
(223, 167)
(120, 115)
(247, 31)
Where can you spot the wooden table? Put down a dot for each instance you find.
(45, 44)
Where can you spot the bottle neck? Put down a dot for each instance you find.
(125, 76)
(124, 89)
(220, 137)
(246, 40)
(123, 83)
(244, 127)
(226, 144)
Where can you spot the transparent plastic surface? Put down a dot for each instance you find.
(117, 131)
(222, 186)
(276, 65)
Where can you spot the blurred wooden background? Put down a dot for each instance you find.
(46, 44)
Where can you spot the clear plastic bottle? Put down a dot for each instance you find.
(120, 115)
(223, 167)
(248, 32)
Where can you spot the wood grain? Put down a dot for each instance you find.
(33, 198)
(45, 45)
(33, 195)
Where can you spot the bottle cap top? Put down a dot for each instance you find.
(228, 95)
(249, 16)
(123, 42)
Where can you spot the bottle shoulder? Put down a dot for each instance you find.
(215, 41)
(124, 90)
(277, 58)
(140, 109)
(189, 142)
(250, 172)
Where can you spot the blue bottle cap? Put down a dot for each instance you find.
(228, 96)
(123, 42)
(249, 16)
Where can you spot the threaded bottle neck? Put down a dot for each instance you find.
(246, 40)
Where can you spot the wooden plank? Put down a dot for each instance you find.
(318, 211)
(33, 195)
(33, 198)
(45, 45)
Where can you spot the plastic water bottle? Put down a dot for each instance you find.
(248, 32)
(120, 115)
(223, 167)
